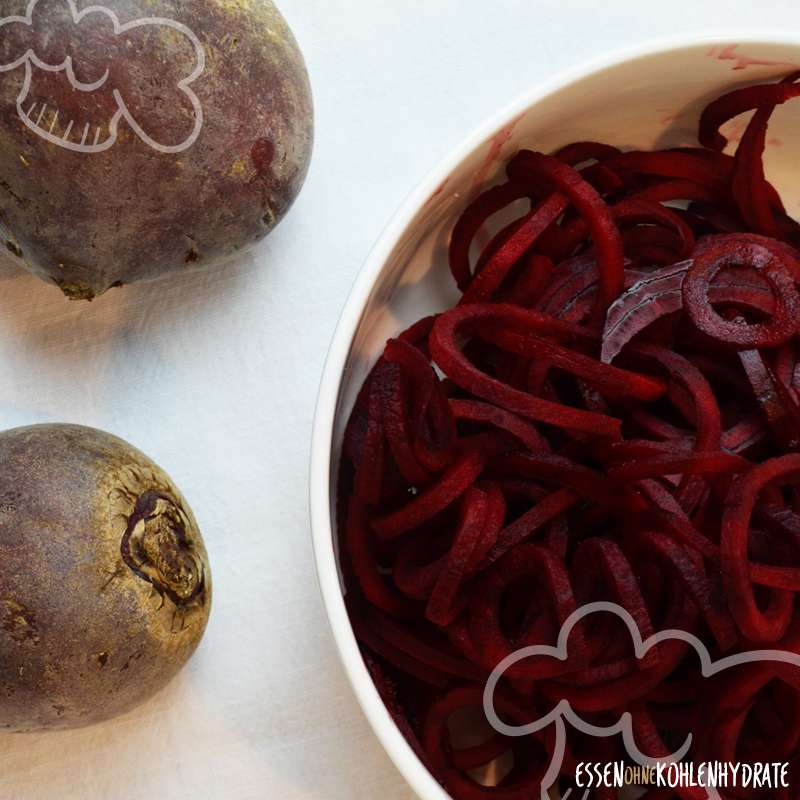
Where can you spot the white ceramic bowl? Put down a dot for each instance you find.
(647, 97)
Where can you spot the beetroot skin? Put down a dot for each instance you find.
(186, 139)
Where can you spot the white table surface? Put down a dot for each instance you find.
(215, 377)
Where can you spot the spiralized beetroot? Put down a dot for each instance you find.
(611, 412)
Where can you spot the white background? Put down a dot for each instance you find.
(215, 377)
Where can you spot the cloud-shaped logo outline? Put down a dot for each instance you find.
(30, 59)
(563, 711)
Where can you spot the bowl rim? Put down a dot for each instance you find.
(393, 742)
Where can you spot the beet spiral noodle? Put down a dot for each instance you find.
(610, 413)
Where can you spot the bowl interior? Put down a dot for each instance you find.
(648, 101)
(652, 101)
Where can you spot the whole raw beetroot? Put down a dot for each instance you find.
(105, 585)
(139, 137)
